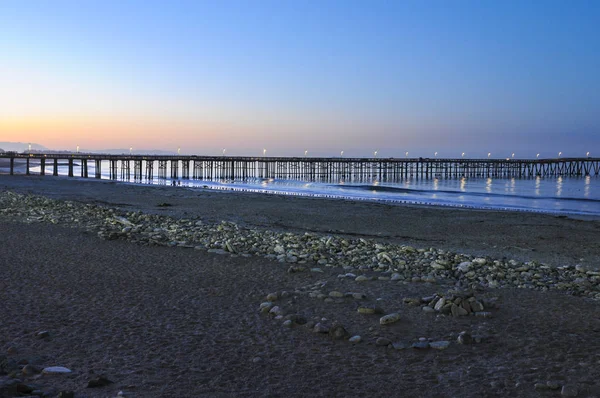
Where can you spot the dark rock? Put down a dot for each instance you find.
(43, 334)
(321, 328)
(421, 345)
(464, 338)
(338, 332)
(99, 381)
(382, 341)
(24, 388)
(66, 394)
(30, 370)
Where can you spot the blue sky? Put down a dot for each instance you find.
(358, 76)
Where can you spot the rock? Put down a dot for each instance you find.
(389, 319)
(321, 328)
(382, 341)
(276, 311)
(337, 332)
(540, 387)
(99, 381)
(55, 370)
(12, 350)
(483, 314)
(43, 334)
(317, 270)
(369, 310)
(465, 266)
(30, 370)
(458, 311)
(464, 338)
(296, 318)
(476, 306)
(265, 307)
(439, 345)
(553, 385)
(359, 296)
(400, 345)
(440, 303)
(66, 394)
(336, 294)
(272, 297)
(396, 277)
(428, 310)
(420, 345)
(361, 278)
(355, 339)
(569, 390)
(24, 388)
(256, 359)
(288, 324)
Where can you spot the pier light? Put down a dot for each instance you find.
(130, 150)
(224, 150)
(560, 153)
(30, 147)
(342, 154)
(587, 155)
(179, 151)
(513, 155)
(264, 152)
(406, 154)
(305, 153)
(77, 150)
(463, 155)
(537, 156)
(489, 154)
(435, 155)
(376, 153)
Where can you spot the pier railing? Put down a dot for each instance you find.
(298, 168)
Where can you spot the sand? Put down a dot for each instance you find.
(173, 322)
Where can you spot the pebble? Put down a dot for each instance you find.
(569, 390)
(400, 345)
(361, 278)
(338, 332)
(382, 341)
(321, 328)
(52, 370)
(464, 338)
(389, 319)
(439, 345)
(43, 334)
(355, 339)
(336, 294)
(99, 381)
(288, 324)
(420, 345)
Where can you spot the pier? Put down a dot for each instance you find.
(337, 169)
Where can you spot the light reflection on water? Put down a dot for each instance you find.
(559, 195)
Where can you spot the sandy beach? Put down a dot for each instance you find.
(163, 321)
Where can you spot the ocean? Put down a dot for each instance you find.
(560, 195)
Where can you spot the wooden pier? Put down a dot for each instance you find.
(139, 167)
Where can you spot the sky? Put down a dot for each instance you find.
(292, 76)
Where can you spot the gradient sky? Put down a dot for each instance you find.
(323, 76)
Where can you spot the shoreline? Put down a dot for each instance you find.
(555, 240)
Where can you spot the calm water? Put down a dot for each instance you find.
(549, 195)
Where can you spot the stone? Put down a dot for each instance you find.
(276, 311)
(476, 306)
(428, 310)
(12, 350)
(66, 394)
(24, 388)
(569, 390)
(30, 370)
(420, 345)
(465, 266)
(288, 323)
(389, 319)
(321, 328)
(382, 341)
(99, 381)
(43, 334)
(464, 338)
(540, 386)
(272, 297)
(400, 345)
(336, 294)
(369, 310)
(361, 278)
(265, 307)
(483, 314)
(439, 345)
(355, 339)
(458, 311)
(338, 332)
(55, 370)
(553, 385)
(440, 303)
